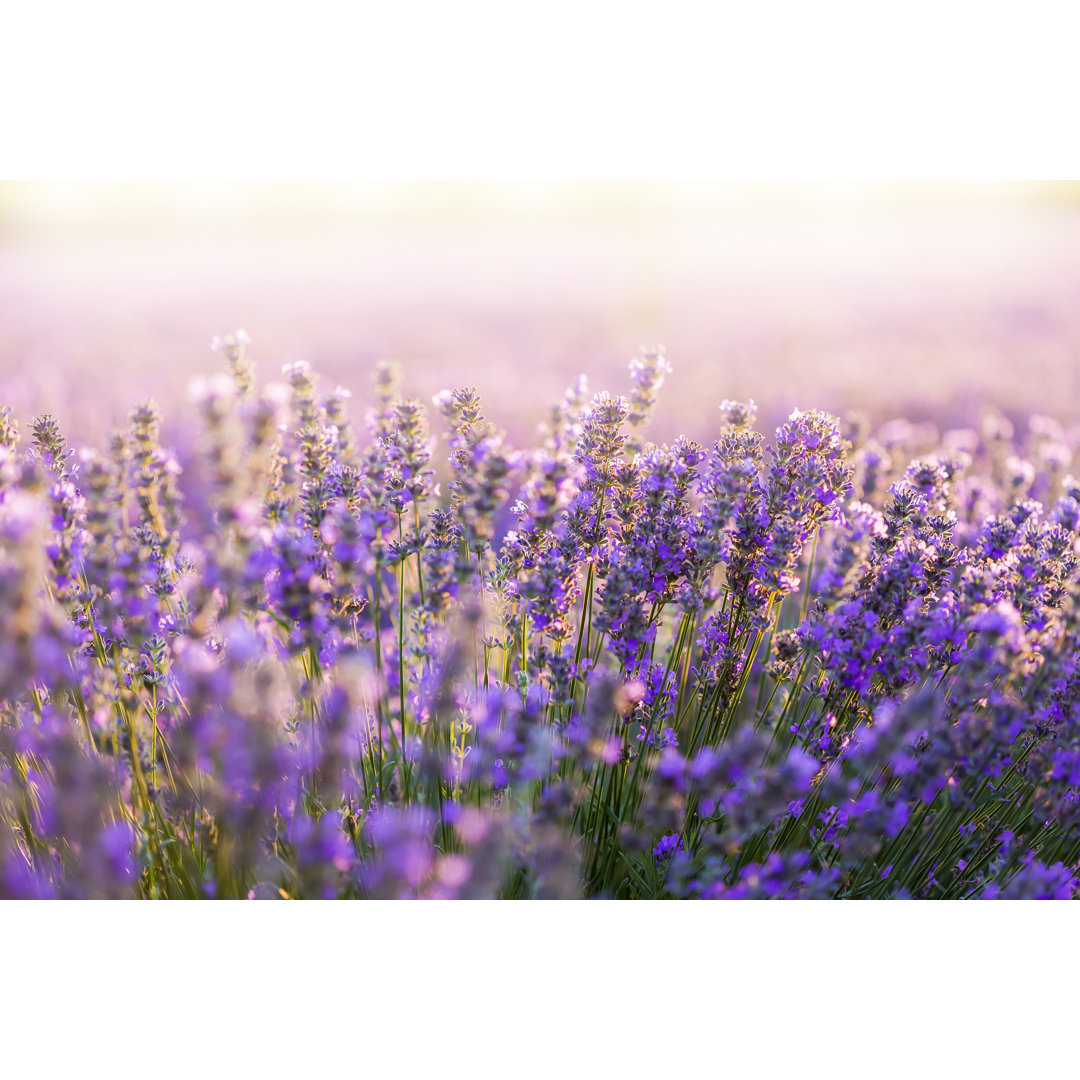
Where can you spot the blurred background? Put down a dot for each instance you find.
(920, 300)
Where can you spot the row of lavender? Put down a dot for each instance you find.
(315, 662)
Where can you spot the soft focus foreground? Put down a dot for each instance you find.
(319, 657)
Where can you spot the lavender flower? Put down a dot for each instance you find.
(286, 661)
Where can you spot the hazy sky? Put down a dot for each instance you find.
(85, 206)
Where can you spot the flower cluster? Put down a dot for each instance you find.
(313, 658)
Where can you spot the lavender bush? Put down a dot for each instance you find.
(323, 659)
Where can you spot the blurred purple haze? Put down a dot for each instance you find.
(920, 310)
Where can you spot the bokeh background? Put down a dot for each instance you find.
(927, 301)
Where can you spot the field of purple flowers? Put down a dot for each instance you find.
(328, 658)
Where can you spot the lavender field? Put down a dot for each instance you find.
(426, 593)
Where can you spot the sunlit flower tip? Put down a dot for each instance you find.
(318, 585)
(242, 337)
(628, 695)
(471, 826)
(329, 531)
(739, 414)
(298, 369)
(216, 344)
(454, 870)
